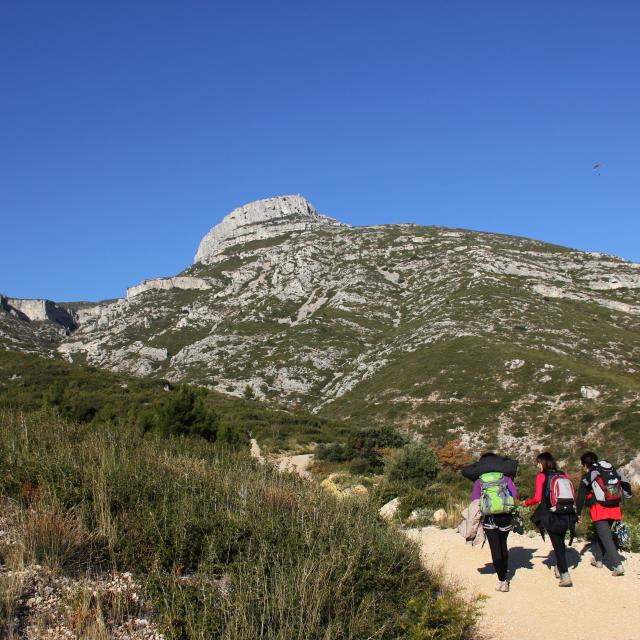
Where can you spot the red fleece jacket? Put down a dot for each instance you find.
(537, 497)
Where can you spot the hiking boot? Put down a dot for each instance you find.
(503, 586)
(565, 580)
(556, 572)
(618, 571)
(596, 563)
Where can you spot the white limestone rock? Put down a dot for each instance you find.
(439, 516)
(632, 470)
(153, 353)
(35, 310)
(179, 282)
(390, 509)
(261, 220)
(548, 291)
(589, 393)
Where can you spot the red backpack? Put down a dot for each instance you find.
(605, 484)
(560, 493)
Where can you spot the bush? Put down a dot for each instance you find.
(441, 618)
(416, 465)
(359, 466)
(185, 413)
(454, 455)
(248, 393)
(374, 438)
(333, 452)
(413, 499)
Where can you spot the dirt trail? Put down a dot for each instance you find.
(535, 607)
(255, 451)
(298, 464)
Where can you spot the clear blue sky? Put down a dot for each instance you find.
(128, 128)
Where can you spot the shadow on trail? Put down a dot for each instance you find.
(519, 558)
(574, 558)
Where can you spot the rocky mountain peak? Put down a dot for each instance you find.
(261, 220)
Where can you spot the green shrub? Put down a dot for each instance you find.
(333, 452)
(185, 413)
(413, 499)
(439, 618)
(248, 392)
(374, 438)
(416, 465)
(359, 466)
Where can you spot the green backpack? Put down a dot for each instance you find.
(494, 494)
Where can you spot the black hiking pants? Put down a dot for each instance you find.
(499, 551)
(605, 548)
(560, 548)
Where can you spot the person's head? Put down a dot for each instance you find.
(588, 459)
(546, 462)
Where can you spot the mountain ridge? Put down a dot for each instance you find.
(349, 320)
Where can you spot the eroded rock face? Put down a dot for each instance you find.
(33, 310)
(261, 220)
(179, 282)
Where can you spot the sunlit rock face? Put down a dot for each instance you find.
(261, 220)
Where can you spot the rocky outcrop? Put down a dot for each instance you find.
(33, 310)
(262, 220)
(179, 282)
(632, 470)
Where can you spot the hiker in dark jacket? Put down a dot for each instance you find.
(556, 512)
(492, 482)
(604, 507)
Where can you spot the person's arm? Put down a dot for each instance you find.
(537, 496)
(475, 494)
(512, 487)
(582, 495)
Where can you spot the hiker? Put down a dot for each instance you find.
(602, 488)
(556, 512)
(494, 488)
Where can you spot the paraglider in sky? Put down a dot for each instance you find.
(597, 166)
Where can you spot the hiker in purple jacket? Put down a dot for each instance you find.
(498, 525)
(475, 495)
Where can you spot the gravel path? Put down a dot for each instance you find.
(597, 605)
(298, 464)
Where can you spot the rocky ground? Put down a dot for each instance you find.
(42, 604)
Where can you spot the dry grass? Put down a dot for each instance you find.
(222, 547)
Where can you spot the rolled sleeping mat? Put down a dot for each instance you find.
(506, 466)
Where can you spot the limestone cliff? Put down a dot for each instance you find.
(261, 220)
(34, 310)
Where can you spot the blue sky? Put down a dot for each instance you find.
(127, 129)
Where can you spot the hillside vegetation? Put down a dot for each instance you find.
(87, 394)
(110, 532)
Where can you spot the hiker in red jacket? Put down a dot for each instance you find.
(556, 512)
(601, 489)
